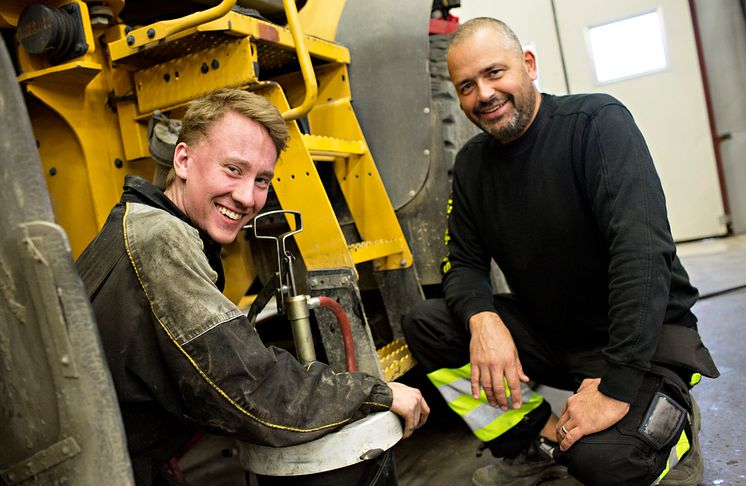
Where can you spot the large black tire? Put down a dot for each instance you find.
(456, 129)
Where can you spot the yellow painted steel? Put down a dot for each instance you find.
(76, 73)
(79, 145)
(230, 64)
(240, 271)
(320, 18)
(298, 187)
(395, 359)
(78, 137)
(368, 250)
(32, 63)
(304, 59)
(357, 176)
(10, 12)
(149, 34)
(332, 147)
(237, 25)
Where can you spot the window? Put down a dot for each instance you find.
(627, 48)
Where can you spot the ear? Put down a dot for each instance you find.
(529, 59)
(181, 160)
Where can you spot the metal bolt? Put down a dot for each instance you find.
(130, 40)
(426, 152)
(204, 68)
(127, 29)
(151, 33)
(53, 171)
(215, 64)
(412, 193)
(314, 282)
(65, 360)
(403, 262)
(118, 163)
(426, 110)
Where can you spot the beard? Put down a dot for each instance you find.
(507, 130)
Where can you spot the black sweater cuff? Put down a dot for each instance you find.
(621, 382)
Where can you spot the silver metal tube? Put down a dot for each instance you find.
(296, 308)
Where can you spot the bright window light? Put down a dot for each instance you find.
(627, 48)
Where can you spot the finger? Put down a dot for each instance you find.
(486, 384)
(408, 426)
(475, 382)
(563, 428)
(515, 389)
(498, 384)
(424, 413)
(572, 436)
(521, 375)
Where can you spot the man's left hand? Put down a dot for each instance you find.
(588, 411)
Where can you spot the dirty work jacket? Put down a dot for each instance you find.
(183, 357)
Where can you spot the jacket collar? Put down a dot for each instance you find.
(138, 190)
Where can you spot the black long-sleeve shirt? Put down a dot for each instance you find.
(574, 214)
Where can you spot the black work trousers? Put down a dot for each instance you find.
(622, 454)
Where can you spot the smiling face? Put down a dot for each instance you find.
(222, 181)
(494, 83)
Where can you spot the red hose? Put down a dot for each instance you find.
(344, 327)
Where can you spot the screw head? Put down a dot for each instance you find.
(118, 163)
(151, 33)
(215, 64)
(204, 68)
(53, 171)
(130, 40)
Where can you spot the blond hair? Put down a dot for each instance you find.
(204, 112)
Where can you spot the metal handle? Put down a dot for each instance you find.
(304, 59)
(283, 255)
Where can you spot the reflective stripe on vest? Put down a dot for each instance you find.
(484, 420)
(677, 452)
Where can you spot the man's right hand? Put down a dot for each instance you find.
(409, 405)
(494, 359)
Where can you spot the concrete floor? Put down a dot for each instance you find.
(444, 452)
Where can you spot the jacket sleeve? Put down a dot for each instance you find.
(630, 210)
(466, 267)
(229, 381)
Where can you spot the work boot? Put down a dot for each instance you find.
(689, 470)
(529, 468)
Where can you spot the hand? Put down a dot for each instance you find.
(494, 359)
(588, 411)
(409, 405)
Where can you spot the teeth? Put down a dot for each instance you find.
(229, 213)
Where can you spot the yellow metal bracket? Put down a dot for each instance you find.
(229, 64)
(329, 148)
(143, 36)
